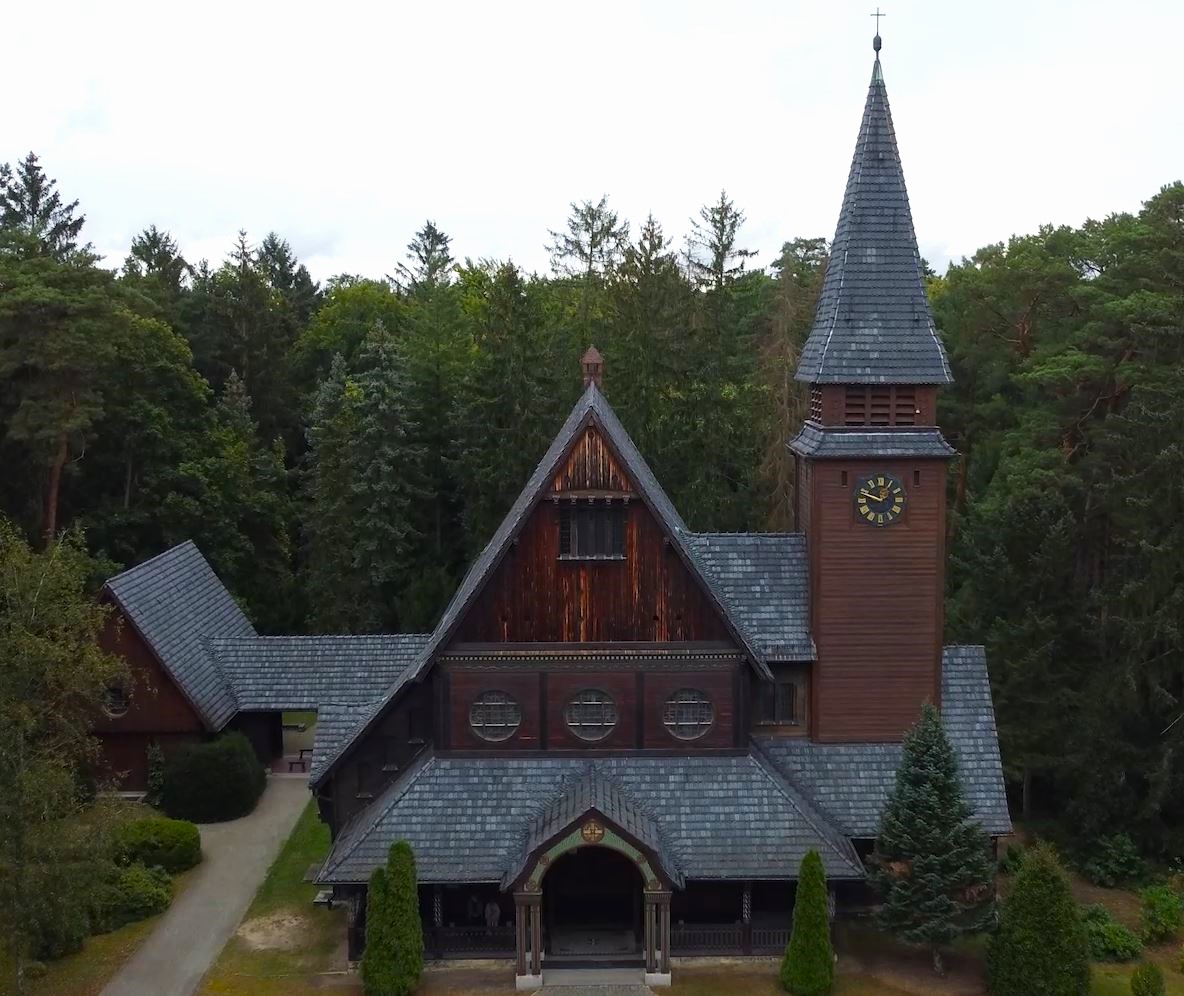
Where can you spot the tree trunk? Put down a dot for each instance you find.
(53, 490)
(1026, 802)
(938, 965)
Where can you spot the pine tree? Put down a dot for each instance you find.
(1041, 944)
(30, 204)
(808, 968)
(380, 974)
(934, 866)
(406, 926)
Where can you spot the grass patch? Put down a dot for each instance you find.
(285, 945)
(306, 716)
(86, 972)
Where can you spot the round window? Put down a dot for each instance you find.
(495, 716)
(591, 714)
(115, 701)
(688, 714)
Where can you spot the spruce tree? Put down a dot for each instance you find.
(808, 968)
(406, 926)
(1041, 944)
(934, 867)
(31, 204)
(379, 973)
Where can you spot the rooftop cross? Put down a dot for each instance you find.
(876, 41)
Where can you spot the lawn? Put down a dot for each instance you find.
(285, 944)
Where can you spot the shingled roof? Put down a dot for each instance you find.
(468, 818)
(301, 672)
(850, 782)
(873, 324)
(176, 603)
(763, 579)
(843, 443)
(592, 790)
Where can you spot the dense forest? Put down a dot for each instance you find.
(340, 452)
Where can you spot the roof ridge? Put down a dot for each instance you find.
(381, 804)
(806, 807)
(144, 563)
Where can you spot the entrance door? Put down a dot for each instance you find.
(592, 905)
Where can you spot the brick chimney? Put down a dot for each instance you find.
(593, 367)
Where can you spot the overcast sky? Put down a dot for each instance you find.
(343, 125)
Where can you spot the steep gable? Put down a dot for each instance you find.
(176, 604)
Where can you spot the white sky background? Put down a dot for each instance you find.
(343, 126)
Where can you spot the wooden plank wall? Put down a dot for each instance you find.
(876, 602)
(533, 596)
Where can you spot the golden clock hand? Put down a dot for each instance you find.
(868, 494)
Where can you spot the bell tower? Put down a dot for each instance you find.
(870, 460)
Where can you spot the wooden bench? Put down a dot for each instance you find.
(293, 761)
(305, 750)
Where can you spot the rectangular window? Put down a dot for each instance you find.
(784, 702)
(816, 404)
(591, 532)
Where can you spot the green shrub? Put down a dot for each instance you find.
(126, 895)
(1147, 980)
(1113, 860)
(808, 968)
(1161, 916)
(1041, 945)
(1109, 940)
(174, 845)
(1010, 863)
(215, 781)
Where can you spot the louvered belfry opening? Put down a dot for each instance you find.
(880, 405)
(816, 404)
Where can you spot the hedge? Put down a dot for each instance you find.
(174, 845)
(215, 781)
(126, 895)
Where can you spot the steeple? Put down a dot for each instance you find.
(873, 324)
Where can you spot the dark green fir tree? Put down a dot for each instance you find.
(934, 870)
(1041, 944)
(808, 968)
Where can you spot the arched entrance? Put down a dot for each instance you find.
(592, 905)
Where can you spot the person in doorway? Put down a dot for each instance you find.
(493, 914)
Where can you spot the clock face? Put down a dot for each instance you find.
(879, 499)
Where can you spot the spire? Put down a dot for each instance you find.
(592, 366)
(873, 324)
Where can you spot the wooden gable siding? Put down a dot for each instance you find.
(591, 466)
(533, 596)
(875, 602)
(157, 711)
(156, 704)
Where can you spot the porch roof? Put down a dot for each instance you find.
(469, 819)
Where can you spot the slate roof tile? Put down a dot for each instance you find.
(301, 672)
(762, 577)
(850, 782)
(467, 818)
(176, 602)
(839, 443)
(873, 324)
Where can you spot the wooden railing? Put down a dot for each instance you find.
(706, 938)
(769, 940)
(444, 942)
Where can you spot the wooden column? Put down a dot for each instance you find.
(521, 911)
(651, 963)
(536, 936)
(664, 939)
(746, 919)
